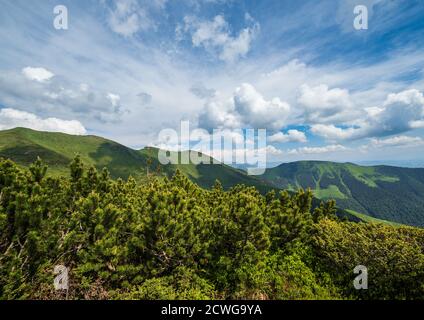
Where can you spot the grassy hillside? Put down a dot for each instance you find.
(383, 192)
(366, 218)
(57, 150)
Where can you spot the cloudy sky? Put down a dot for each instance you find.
(127, 69)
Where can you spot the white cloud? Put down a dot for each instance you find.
(290, 136)
(215, 36)
(37, 74)
(257, 112)
(401, 112)
(317, 150)
(219, 114)
(60, 98)
(417, 124)
(271, 150)
(246, 108)
(324, 105)
(391, 144)
(129, 17)
(331, 132)
(12, 118)
(397, 141)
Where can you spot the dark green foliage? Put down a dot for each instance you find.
(170, 239)
(394, 258)
(387, 193)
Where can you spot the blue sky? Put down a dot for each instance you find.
(128, 69)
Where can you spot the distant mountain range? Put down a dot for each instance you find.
(366, 192)
(394, 163)
(384, 192)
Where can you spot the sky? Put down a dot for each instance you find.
(128, 69)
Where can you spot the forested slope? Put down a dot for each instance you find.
(383, 192)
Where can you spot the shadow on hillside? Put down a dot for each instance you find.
(26, 155)
(118, 159)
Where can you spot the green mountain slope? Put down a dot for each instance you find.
(57, 150)
(205, 175)
(383, 192)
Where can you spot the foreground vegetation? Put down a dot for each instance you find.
(170, 239)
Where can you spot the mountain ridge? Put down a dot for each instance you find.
(58, 149)
(381, 192)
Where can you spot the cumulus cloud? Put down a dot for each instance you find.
(257, 112)
(399, 113)
(219, 114)
(331, 132)
(271, 150)
(246, 108)
(317, 150)
(324, 105)
(290, 136)
(402, 111)
(37, 74)
(215, 36)
(12, 118)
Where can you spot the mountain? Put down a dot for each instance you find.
(382, 192)
(362, 193)
(58, 149)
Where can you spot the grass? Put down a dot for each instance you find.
(332, 192)
(389, 193)
(58, 149)
(294, 174)
(367, 218)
